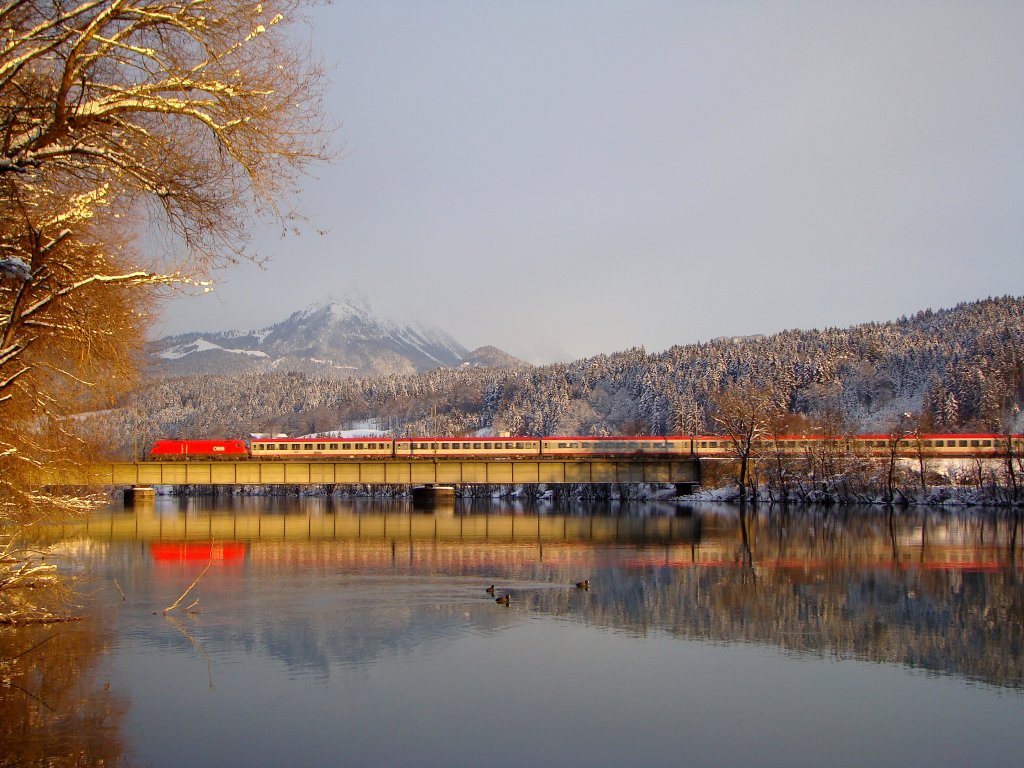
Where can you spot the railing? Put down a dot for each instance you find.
(390, 472)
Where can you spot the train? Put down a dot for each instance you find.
(512, 448)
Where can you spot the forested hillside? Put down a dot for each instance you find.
(963, 368)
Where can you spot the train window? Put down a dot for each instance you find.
(334, 446)
(307, 447)
(714, 444)
(975, 444)
(963, 443)
(940, 443)
(520, 446)
(563, 445)
(488, 446)
(321, 446)
(574, 445)
(986, 443)
(446, 446)
(296, 446)
(257, 447)
(358, 446)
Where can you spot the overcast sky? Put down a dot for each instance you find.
(583, 177)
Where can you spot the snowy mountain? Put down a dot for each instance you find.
(337, 338)
(961, 368)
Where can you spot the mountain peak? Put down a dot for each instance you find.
(337, 336)
(341, 308)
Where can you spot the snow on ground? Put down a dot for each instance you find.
(202, 345)
(341, 434)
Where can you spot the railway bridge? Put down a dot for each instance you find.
(679, 471)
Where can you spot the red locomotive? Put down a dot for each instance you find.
(200, 449)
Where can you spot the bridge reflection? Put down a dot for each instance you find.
(328, 520)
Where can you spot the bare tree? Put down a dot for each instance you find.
(920, 426)
(746, 413)
(118, 118)
(897, 439)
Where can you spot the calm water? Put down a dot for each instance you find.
(361, 634)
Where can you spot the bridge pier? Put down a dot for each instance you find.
(430, 497)
(139, 494)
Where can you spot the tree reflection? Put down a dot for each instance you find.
(935, 592)
(54, 711)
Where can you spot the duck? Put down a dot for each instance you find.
(585, 584)
(490, 590)
(503, 600)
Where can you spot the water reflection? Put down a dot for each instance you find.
(377, 612)
(924, 589)
(55, 710)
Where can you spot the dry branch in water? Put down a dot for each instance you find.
(178, 602)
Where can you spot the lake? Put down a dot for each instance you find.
(326, 632)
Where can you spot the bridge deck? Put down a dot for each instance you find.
(397, 472)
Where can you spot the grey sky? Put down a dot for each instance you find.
(589, 176)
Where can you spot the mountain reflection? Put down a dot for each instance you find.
(928, 589)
